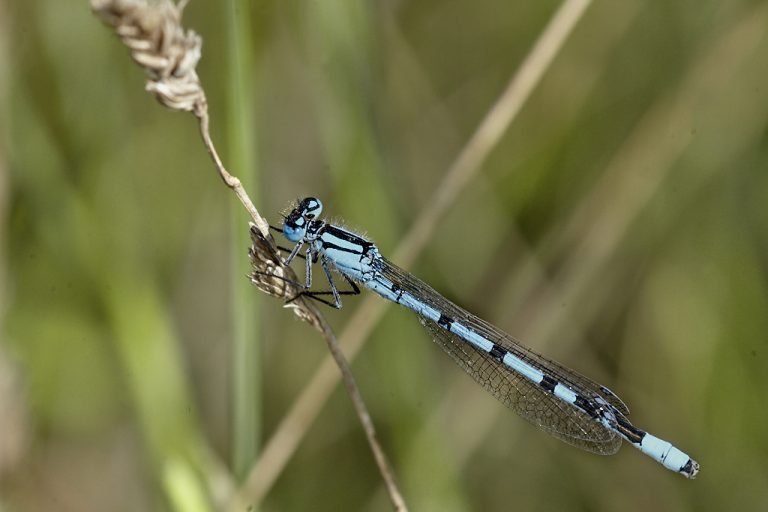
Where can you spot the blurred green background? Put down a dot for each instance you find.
(620, 226)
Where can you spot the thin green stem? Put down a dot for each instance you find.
(241, 134)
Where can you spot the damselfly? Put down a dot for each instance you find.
(556, 399)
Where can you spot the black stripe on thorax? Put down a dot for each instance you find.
(445, 322)
(346, 235)
(342, 234)
(331, 245)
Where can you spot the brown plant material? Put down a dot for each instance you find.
(273, 277)
(160, 45)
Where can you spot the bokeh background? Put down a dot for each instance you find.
(620, 226)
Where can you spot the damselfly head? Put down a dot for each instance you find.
(310, 207)
(296, 223)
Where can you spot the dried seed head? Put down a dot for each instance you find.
(159, 44)
(271, 276)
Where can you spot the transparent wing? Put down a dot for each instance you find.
(579, 380)
(525, 398)
(516, 392)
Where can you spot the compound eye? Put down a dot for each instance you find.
(293, 229)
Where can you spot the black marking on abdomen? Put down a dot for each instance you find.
(445, 322)
(587, 406)
(631, 432)
(548, 383)
(498, 353)
(396, 288)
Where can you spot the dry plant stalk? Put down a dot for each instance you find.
(169, 55)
